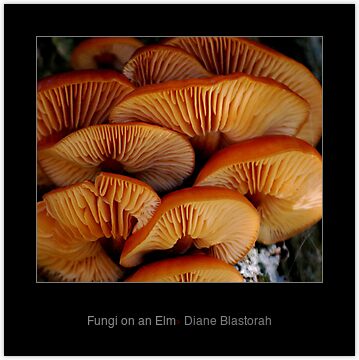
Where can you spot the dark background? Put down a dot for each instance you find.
(51, 319)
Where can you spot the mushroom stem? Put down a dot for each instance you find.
(183, 245)
(256, 199)
(113, 166)
(206, 144)
(113, 247)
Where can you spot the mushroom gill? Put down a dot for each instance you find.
(63, 258)
(77, 99)
(281, 176)
(110, 207)
(216, 111)
(155, 64)
(155, 155)
(225, 55)
(219, 220)
(82, 227)
(190, 268)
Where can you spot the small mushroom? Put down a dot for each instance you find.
(77, 99)
(225, 55)
(190, 268)
(155, 155)
(221, 221)
(60, 257)
(281, 175)
(73, 218)
(111, 206)
(104, 52)
(159, 63)
(216, 111)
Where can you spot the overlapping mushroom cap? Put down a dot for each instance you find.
(190, 268)
(225, 55)
(63, 258)
(73, 100)
(155, 155)
(109, 207)
(281, 175)
(217, 110)
(159, 63)
(106, 52)
(219, 220)
(72, 219)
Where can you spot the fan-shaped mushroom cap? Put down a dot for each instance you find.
(281, 175)
(109, 207)
(63, 258)
(155, 155)
(159, 63)
(190, 268)
(220, 220)
(71, 219)
(225, 109)
(110, 51)
(70, 101)
(225, 55)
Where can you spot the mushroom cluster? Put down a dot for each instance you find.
(168, 162)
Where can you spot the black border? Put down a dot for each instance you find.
(51, 319)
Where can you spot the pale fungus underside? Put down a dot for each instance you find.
(188, 268)
(216, 111)
(63, 258)
(74, 100)
(77, 216)
(158, 64)
(155, 155)
(221, 221)
(226, 55)
(282, 176)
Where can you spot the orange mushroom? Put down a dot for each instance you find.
(60, 257)
(73, 100)
(225, 55)
(101, 52)
(281, 175)
(74, 223)
(155, 64)
(216, 111)
(190, 268)
(155, 155)
(221, 221)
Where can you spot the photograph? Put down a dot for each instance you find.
(151, 145)
(179, 159)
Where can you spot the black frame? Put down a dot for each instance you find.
(51, 319)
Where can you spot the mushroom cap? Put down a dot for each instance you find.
(190, 268)
(155, 155)
(115, 51)
(63, 258)
(220, 220)
(109, 207)
(155, 64)
(225, 55)
(282, 176)
(76, 99)
(216, 111)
